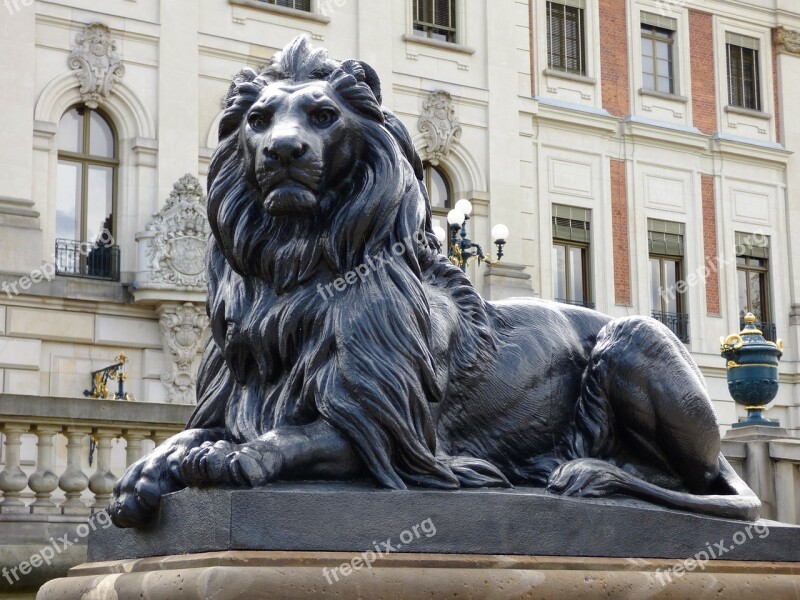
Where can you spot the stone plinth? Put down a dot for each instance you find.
(303, 575)
(315, 540)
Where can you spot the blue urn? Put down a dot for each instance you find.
(752, 367)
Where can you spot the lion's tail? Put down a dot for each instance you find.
(474, 472)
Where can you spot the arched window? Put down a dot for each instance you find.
(86, 195)
(438, 188)
(440, 194)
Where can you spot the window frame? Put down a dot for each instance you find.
(426, 28)
(757, 83)
(573, 214)
(744, 242)
(86, 159)
(582, 70)
(651, 37)
(438, 211)
(678, 321)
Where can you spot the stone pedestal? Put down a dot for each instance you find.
(303, 575)
(350, 541)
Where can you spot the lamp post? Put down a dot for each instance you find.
(462, 249)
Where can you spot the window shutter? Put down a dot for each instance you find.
(659, 21)
(571, 223)
(573, 3)
(665, 237)
(752, 245)
(743, 41)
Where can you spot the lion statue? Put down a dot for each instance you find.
(345, 346)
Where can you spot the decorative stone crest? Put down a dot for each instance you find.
(96, 63)
(439, 124)
(183, 332)
(786, 40)
(174, 242)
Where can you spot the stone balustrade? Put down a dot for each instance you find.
(49, 487)
(75, 423)
(771, 467)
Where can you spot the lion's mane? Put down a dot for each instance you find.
(281, 355)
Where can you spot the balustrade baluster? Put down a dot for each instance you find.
(44, 481)
(74, 481)
(134, 437)
(13, 479)
(102, 482)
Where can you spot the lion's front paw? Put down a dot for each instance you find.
(585, 478)
(208, 464)
(138, 492)
(255, 465)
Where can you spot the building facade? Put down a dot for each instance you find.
(641, 152)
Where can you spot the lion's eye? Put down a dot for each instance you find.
(258, 121)
(324, 116)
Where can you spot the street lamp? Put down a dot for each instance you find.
(463, 249)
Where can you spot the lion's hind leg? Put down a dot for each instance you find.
(645, 427)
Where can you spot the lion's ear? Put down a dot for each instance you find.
(364, 74)
(244, 76)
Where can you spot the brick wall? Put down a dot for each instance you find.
(704, 93)
(614, 57)
(619, 224)
(710, 245)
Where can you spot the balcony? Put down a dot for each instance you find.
(678, 323)
(83, 259)
(768, 329)
(576, 303)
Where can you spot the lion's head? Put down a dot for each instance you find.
(305, 148)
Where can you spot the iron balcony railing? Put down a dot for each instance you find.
(582, 303)
(84, 259)
(768, 329)
(678, 323)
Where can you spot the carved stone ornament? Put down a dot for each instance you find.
(787, 40)
(183, 329)
(175, 241)
(96, 63)
(440, 125)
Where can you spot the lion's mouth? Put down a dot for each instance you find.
(288, 193)
(290, 198)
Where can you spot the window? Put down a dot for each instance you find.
(571, 237)
(435, 19)
(752, 277)
(440, 195)
(744, 84)
(566, 36)
(658, 68)
(665, 241)
(86, 189)
(295, 4)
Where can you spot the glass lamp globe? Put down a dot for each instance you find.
(455, 217)
(500, 232)
(440, 233)
(464, 206)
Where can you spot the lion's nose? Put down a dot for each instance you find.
(285, 150)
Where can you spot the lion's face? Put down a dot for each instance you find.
(300, 141)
